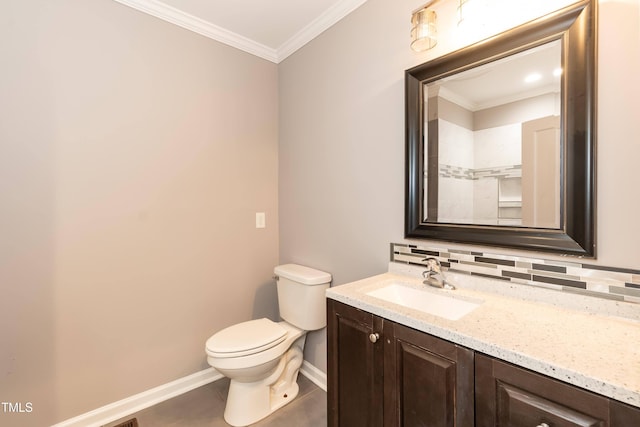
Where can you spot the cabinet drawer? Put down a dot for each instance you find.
(624, 415)
(519, 407)
(510, 396)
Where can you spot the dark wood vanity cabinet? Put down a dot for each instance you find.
(507, 395)
(381, 373)
(355, 367)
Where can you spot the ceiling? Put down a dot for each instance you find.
(504, 81)
(272, 29)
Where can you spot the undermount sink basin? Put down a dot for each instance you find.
(425, 301)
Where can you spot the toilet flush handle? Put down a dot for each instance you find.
(275, 277)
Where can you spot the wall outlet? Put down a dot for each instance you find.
(261, 220)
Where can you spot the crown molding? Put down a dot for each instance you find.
(330, 17)
(193, 23)
(175, 16)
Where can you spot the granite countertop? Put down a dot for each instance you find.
(588, 342)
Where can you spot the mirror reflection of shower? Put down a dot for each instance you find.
(497, 130)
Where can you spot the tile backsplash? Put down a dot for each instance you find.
(568, 276)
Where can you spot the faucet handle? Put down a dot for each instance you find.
(433, 264)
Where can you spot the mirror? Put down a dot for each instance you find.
(492, 159)
(496, 128)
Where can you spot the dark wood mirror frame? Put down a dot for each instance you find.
(575, 27)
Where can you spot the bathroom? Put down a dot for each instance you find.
(130, 195)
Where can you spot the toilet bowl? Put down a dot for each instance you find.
(263, 373)
(261, 357)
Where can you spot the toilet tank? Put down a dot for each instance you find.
(301, 295)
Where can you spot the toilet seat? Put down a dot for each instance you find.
(246, 338)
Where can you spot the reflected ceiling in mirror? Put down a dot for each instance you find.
(472, 173)
(497, 131)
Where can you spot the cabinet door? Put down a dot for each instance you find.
(355, 367)
(510, 396)
(428, 381)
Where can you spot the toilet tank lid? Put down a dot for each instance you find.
(302, 274)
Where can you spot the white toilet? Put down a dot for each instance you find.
(261, 357)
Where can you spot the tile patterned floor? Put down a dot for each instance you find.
(204, 407)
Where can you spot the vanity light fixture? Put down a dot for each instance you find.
(461, 12)
(424, 35)
(472, 14)
(533, 77)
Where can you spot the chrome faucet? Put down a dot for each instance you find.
(434, 276)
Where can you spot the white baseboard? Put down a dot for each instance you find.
(140, 401)
(314, 374)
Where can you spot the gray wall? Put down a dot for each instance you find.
(341, 148)
(341, 173)
(133, 157)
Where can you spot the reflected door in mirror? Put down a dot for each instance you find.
(541, 173)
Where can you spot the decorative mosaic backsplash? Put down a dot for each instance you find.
(448, 171)
(594, 280)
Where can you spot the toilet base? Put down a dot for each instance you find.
(249, 402)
